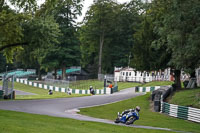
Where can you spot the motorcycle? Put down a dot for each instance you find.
(127, 118)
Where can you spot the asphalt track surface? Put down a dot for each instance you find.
(58, 107)
(67, 107)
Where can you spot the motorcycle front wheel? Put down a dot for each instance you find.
(130, 121)
(117, 120)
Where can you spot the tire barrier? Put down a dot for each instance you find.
(65, 90)
(158, 95)
(182, 112)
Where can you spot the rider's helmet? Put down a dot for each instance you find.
(137, 108)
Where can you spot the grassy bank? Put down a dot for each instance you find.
(189, 97)
(40, 93)
(147, 117)
(16, 122)
(157, 83)
(124, 85)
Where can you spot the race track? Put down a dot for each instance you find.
(58, 107)
(67, 107)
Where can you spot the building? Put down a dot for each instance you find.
(198, 76)
(131, 75)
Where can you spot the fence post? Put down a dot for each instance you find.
(161, 103)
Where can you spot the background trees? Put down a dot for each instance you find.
(175, 29)
(107, 34)
(146, 36)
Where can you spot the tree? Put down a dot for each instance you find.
(11, 33)
(174, 27)
(146, 55)
(106, 34)
(180, 30)
(42, 35)
(68, 52)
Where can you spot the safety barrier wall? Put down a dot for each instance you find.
(115, 89)
(182, 112)
(59, 89)
(147, 89)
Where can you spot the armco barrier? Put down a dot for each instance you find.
(182, 112)
(147, 89)
(58, 89)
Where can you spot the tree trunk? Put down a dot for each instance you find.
(193, 74)
(100, 52)
(39, 74)
(55, 73)
(64, 72)
(177, 75)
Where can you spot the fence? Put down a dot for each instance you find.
(141, 78)
(182, 112)
(8, 85)
(61, 89)
(109, 77)
(59, 83)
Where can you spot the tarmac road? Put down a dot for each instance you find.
(58, 107)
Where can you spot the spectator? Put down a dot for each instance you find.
(92, 90)
(50, 92)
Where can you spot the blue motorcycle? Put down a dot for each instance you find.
(128, 117)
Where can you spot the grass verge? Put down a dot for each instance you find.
(157, 83)
(40, 93)
(124, 85)
(79, 84)
(147, 117)
(17, 122)
(189, 97)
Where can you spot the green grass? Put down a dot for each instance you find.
(79, 84)
(17, 122)
(85, 84)
(189, 97)
(157, 83)
(124, 85)
(41, 93)
(147, 117)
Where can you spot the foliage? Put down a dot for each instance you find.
(67, 52)
(2, 63)
(42, 35)
(180, 30)
(106, 34)
(168, 37)
(11, 34)
(147, 57)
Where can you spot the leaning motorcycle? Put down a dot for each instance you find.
(128, 118)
